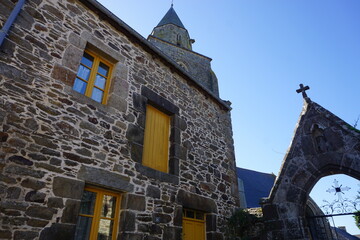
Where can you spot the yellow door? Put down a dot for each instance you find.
(193, 225)
(193, 230)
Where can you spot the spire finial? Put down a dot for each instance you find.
(302, 90)
(172, 3)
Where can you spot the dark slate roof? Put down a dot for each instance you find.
(257, 185)
(344, 234)
(171, 18)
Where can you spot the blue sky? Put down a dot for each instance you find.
(262, 50)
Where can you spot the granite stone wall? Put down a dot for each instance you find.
(173, 34)
(55, 141)
(196, 64)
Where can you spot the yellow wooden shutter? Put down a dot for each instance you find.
(156, 139)
(193, 230)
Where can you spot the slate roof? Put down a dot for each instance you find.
(171, 18)
(344, 234)
(257, 185)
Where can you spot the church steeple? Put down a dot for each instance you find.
(172, 30)
(173, 39)
(171, 18)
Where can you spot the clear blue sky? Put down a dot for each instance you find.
(261, 51)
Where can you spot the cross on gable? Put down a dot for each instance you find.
(302, 90)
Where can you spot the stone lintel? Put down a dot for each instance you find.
(159, 101)
(193, 201)
(105, 178)
(68, 188)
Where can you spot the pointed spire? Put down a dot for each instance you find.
(171, 18)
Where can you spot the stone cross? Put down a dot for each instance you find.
(302, 90)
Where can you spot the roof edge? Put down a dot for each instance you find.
(98, 8)
(170, 24)
(188, 50)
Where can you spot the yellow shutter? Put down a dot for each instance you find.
(156, 139)
(193, 230)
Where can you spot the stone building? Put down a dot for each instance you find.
(106, 134)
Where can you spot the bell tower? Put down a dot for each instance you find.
(172, 38)
(172, 30)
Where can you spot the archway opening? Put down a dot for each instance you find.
(338, 198)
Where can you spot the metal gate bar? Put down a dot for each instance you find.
(320, 228)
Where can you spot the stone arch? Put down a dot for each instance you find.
(312, 209)
(323, 145)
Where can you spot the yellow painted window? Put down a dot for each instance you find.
(93, 77)
(193, 225)
(156, 139)
(99, 215)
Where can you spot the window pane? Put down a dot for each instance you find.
(79, 86)
(100, 81)
(88, 203)
(103, 69)
(83, 72)
(190, 214)
(87, 60)
(83, 228)
(108, 206)
(97, 95)
(199, 216)
(105, 229)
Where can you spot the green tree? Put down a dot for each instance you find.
(240, 225)
(357, 218)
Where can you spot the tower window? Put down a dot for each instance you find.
(178, 40)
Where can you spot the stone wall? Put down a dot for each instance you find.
(173, 34)
(55, 141)
(196, 64)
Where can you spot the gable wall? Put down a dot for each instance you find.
(197, 65)
(313, 154)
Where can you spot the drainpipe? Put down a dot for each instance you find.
(9, 22)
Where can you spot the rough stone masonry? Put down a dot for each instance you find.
(55, 141)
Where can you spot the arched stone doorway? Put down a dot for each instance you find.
(323, 145)
(336, 203)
